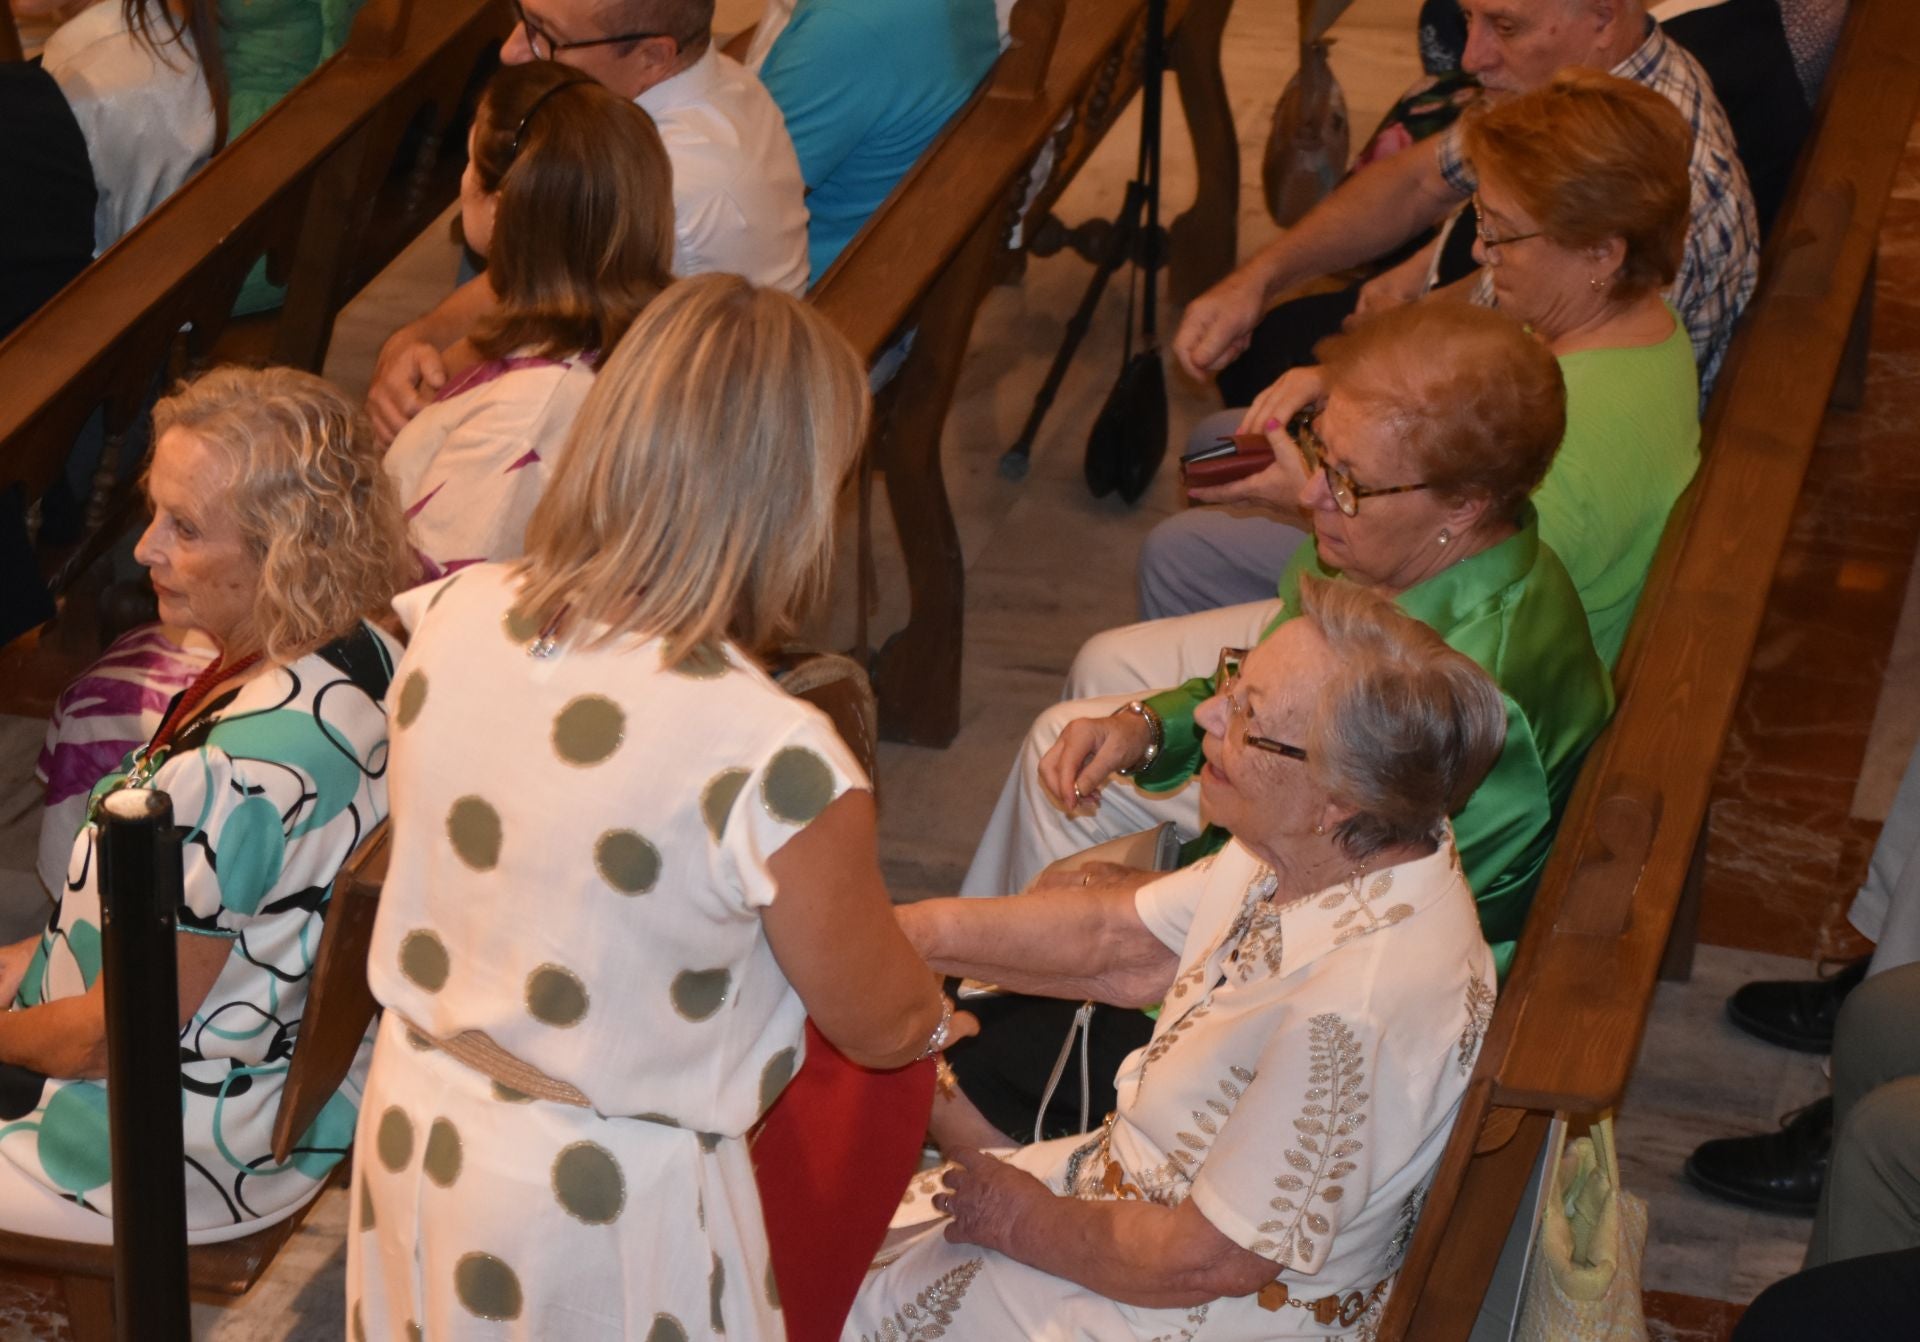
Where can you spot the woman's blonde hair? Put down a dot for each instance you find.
(1478, 403)
(694, 499)
(1593, 157)
(308, 496)
(583, 231)
(1407, 727)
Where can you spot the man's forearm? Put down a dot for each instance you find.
(455, 316)
(1069, 944)
(1368, 215)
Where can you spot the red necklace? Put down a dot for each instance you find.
(191, 699)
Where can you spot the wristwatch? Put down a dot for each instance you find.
(1157, 739)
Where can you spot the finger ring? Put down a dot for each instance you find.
(1086, 878)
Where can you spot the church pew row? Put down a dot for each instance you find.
(931, 252)
(1569, 1022)
(328, 186)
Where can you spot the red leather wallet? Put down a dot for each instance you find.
(1232, 459)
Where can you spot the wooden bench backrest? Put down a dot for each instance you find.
(300, 185)
(1570, 1018)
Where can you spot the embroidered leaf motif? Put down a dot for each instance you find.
(932, 1311)
(1336, 1068)
(1480, 997)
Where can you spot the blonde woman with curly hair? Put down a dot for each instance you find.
(275, 535)
(626, 864)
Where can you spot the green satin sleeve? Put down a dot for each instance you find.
(1179, 757)
(1504, 834)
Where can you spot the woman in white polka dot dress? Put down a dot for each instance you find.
(626, 865)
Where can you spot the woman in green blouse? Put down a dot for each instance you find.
(1438, 422)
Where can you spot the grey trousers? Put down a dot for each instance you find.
(1204, 558)
(1871, 1200)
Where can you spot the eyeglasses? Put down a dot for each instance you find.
(1347, 492)
(543, 44)
(1490, 244)
(1224, 677)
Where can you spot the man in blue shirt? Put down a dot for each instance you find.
(865, 86)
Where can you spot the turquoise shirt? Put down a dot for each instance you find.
(1514, 611)
(1632, 444)
(865, 86)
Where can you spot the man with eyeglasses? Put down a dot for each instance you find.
(1512, 46)
(739, 203)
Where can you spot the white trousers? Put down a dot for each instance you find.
(1027, 831)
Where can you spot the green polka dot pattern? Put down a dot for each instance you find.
(666, 1328)
(487, 1287)
(359, 1327)
(797, 786)
(556, 996)
(442, 1159)
(395, 1139)
(716, 1288)
(445, 587)
(367, 1219)
(588, 730)
(423, 960)
(587, 1182)
(508, 1095)
(772, 1287)
(698, 993)
(627, 862)
(716, 800)
(473, 826)
(519, 626)
(774, 1077)
(704, 661)
(413, 697)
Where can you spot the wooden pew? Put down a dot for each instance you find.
(328, 185)
(1568, 1026)
(930, 253)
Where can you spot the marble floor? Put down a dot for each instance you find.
(1831, 701)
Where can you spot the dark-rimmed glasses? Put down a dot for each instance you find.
(1347, 492)
(543, 44)
(1489, 243)
(1224, 677)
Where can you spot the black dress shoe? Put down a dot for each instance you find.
(1796, 1013)
(1775, 1171)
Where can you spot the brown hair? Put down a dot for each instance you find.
(309, 497)
(1592, 158)
(1478, 402)
(155, 24)
(1407, 727)
(583, 232)
(695, 497)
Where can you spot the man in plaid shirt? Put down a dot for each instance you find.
(1512, 46)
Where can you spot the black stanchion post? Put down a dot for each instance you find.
(139, 894)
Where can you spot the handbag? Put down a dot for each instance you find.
(1583, 1284)
(1129, 436)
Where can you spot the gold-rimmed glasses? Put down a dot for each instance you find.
(1225, 676)
(1347, 492)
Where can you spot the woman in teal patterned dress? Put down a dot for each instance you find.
(276, 533)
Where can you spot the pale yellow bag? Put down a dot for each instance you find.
(1583, 1284)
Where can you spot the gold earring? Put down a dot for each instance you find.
(1595, 283)
(1320, 829)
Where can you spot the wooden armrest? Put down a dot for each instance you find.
(339, 1003)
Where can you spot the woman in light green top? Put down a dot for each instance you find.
(1582, 216)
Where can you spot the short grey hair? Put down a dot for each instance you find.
(1406, 729)
(688, 22)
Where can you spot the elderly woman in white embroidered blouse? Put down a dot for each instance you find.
(1325, 989)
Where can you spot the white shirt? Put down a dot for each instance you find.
(739, 204)
(1299, 1088)
(148, 121)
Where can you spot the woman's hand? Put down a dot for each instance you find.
(987, 1199)
(1089, 752)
